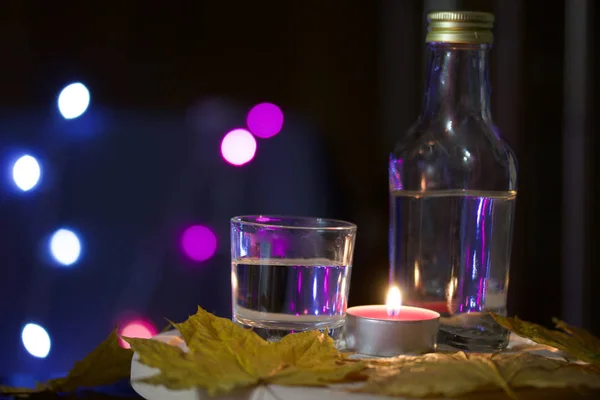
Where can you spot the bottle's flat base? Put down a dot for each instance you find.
(471, 339)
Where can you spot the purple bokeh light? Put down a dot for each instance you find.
(262, 218)
(265, 120)
(199, 243)
(238, 147)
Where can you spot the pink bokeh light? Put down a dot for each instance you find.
(138, 328)
(199, 243)
(262, 218)
(238, 147)
(265, 120)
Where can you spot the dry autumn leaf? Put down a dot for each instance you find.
(223, 356)
(105, 365)
(17, 391)
(459, 374)
(435, 374)
(574, 341)
(530, 370)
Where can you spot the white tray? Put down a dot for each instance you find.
(275, 392)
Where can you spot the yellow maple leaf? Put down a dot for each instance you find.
(574, 341)
(17, 391)
(436, 374)
(530, 370)
(105, 365)
(222, 356)
(460, 374)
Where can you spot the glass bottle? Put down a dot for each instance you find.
(453, 186)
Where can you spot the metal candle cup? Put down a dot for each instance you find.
(371, 331)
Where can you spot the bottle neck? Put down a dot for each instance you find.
(457, 82)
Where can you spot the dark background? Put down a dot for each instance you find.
(143, 161)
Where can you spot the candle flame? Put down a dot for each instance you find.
(393, 301)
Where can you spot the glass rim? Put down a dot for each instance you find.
(284, 222)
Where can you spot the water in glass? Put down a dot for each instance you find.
(289, 295)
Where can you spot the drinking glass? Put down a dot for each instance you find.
(290, 274)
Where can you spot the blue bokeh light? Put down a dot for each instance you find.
(73, 100)
(36, 340)
(26, 172)
(65, 247)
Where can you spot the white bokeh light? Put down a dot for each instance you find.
(238, 147)
(26, 172)
(73, 100)
(36, 340)
(65, 247)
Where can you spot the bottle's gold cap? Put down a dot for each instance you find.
(460, 27)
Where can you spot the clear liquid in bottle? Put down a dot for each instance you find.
(451, 253)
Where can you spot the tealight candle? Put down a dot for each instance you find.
(391, 329)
